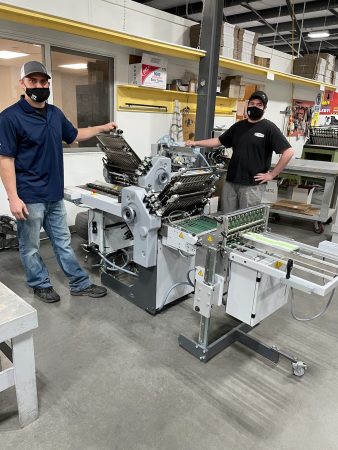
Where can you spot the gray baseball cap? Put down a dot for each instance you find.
(33, 67)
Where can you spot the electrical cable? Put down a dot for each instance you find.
(125, 263)
(316, 316)
(188, 277)
(115, 266)
(181, 283)
(183, 255)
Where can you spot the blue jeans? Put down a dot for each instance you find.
(52, 217)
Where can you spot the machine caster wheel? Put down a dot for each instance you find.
(298, 368)
(318, 227)
(275, 217)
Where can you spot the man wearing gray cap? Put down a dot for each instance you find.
(31, 168)
(252, 141)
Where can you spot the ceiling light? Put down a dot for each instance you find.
(77, 66)
(5, 54)
(318, 34)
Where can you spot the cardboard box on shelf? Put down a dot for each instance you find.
(297, 207)
(150, 72)
(219, 83)
(248, 57)
(318, 67)
(247, 36)
(228, 52)
(242, 89)
(264, 62)
(195, 35)
(230, 86)
(229, 36)
(302, 195)
(329, 58)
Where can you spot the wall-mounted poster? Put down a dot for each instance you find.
(328, 115)
(300, 117)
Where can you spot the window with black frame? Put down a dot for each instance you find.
(82, 87)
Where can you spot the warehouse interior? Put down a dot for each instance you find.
(218, 329)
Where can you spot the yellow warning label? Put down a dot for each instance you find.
(181, 235)
(278, 264)
(200, 273)
(210, 239)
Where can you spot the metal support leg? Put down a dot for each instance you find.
(204, 331)
(24, 376)
(327, 198)
(209, 278)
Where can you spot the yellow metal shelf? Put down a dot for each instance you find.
(28, 17)
(145, 99)
(263, 71)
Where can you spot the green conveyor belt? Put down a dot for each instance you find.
(198, 225)
(272, 242)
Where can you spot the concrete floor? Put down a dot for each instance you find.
(111, 376)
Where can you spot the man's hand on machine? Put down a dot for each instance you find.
(190, 143)
(18, 208)
(263, 177)
(109, 127)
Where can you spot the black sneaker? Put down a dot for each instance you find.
(47, 295)
(92, 291)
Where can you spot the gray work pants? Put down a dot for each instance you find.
(239, 196)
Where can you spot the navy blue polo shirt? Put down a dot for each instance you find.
(35, 142)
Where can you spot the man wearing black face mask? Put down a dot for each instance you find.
(31, 168)
(252, 140)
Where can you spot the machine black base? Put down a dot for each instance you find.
(237, 334)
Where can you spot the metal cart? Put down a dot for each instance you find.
(327, 171)
(322, 144)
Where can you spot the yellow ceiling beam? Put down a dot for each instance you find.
(25, 16)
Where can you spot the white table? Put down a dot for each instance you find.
(18, 319)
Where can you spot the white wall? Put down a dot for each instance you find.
(119, 15)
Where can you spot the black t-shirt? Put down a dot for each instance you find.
(252, 145)
(42, 111)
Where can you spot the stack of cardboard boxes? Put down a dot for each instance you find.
(237, 87)
(229, 39)
(235, 42)
(319, 67)
(233, 87)
(246, 46)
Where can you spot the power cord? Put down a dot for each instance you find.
(181, 283)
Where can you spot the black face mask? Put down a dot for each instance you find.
(38, 95)
(255, 113)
